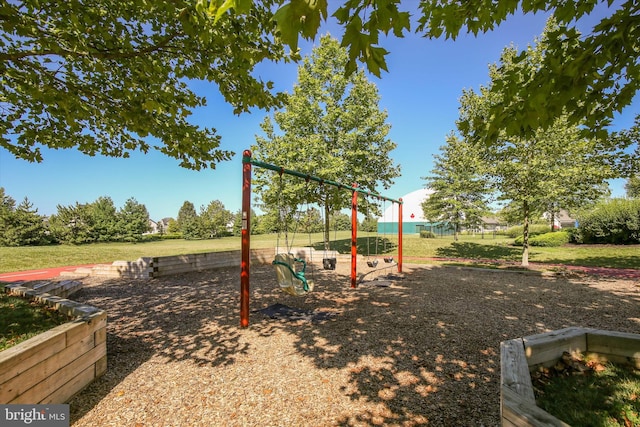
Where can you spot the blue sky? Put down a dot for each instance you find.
(420, 94)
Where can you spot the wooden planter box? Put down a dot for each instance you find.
(519, 357)
(55, 365)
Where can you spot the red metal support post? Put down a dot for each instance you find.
(400, 236)
(354, 237)
(246, 233)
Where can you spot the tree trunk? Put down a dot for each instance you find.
(525, 235)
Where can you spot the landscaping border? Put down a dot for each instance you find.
(57, 364)
(521, 356)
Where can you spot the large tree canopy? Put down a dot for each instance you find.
(110, 77)
(585, 77)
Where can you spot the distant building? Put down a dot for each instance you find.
(561, 219)
(153, 227)
(413, 220)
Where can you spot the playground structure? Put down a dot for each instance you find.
(247, 163)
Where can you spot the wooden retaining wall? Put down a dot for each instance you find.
(55, 365)
(169, 265)
(521, 356)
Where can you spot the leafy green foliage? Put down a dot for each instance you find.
(21, 226)
(99, 221)
(133, 221)
(632, 187)
(214, 220)
(424, 234)
(584, 77)
(331, 127)
(109, 77)
(187, 221)
(369, 224)
(555, 166)
(614, 221)
(461, 188)
(518, 230)
(556, 238)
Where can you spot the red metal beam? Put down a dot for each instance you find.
(246, 234)
(400, 236)
(354, 237)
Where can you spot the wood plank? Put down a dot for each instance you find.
(514, 370)
(71, 388)
(615, 346)
(101, 366)
(520, 412)
(21, 357)
(44, 370)
(545, 349)
(85, 327)
(62, 376)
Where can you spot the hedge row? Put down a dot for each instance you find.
(616, 221)
(556, 238)
(534, 229)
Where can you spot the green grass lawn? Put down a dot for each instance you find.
(607, 397)
(21, 320)
(416, 249)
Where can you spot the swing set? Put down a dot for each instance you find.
(285, 262)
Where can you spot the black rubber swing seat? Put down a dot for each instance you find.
(329, 263)
(372, 263)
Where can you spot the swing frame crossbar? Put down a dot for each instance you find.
(247, 163)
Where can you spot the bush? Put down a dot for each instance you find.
(427, 234)
(534, 229)
(616, 221)
(556, 238)
(171, 236)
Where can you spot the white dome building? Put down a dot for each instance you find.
(413, 220)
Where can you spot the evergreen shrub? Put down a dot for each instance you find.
(427, 234)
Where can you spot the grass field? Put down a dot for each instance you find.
(415, 249)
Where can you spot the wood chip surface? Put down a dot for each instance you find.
(421, 350)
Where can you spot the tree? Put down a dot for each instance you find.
(103, 220)
(71, 224)
(103, 76)
(555, 166)
(369, 224)
(214, 220)
(133, 220)
(586, 78)
(188, 221)
(257, 223)
(173, 226)
(7, 207)
(103, 89)
(460, 186)
(21, 226)
(330, 127)
(340, 221)
(632, 187)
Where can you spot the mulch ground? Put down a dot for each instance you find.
(418, 350)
